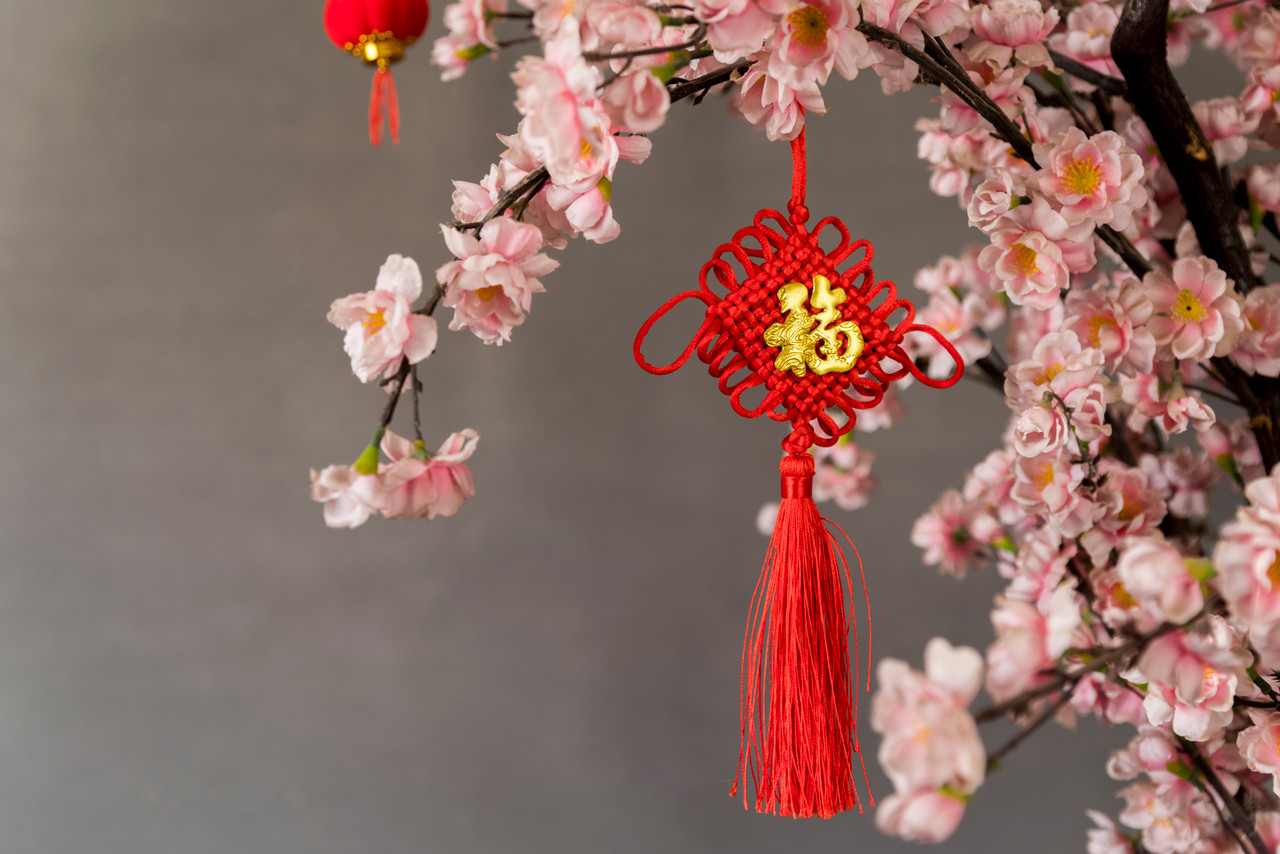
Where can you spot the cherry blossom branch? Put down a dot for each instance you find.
(696, 39)
(681, 89)
(1105, 83)
(1139, 47)
(994, 759)
(938, 62)
(1242, 821)
(1097, 658)
(531, 184)
(395, 385)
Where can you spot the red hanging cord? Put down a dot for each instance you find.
(383, 96)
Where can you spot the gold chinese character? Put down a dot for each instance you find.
(812, 341)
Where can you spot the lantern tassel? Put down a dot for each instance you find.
(383, 97)
(799, 707)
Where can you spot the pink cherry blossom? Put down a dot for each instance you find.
(381, 328)
(931, 745)
(1009, 28)
(1165, 816)
(1196, 313)
(1168, 405)
(765, 100)
(1029, 640)
(1259, 348)
(564, 124)
(1130, 505)
(1095, 179)
(1193, 675)
(961, 321)
(631, 25)
(1226, 123)
(1260, 42)
(735, 27)
(1005, 87)
(1040, 429)
(1260, 744)
(491, 286)
(589, 214)
(1113, 321)
(812, 39)
(1058, 364)
(922, 815)
(1156, 575)
(1263, 182)
(416, 485)
(955, 534)
(1185, 476)
(1087, 38)
(1104, 837)
(993, 199)
(1248, 561)
(842, 473)
(637, 101)
(1032, 251)
(349, 499)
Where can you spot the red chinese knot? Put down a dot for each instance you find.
(773, 252)
(798, 722)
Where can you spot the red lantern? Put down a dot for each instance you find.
(377, 31)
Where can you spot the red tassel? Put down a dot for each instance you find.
(799, 747)
(384, 95)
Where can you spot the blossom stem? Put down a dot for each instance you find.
(993, 761)
(1236, 814)
(1098, 658)
(417, 401)
(1107, 84)
(696, 39)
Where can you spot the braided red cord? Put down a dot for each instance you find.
(731, 343)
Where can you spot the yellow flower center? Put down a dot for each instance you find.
(1122, 597)
(1044, 476)
(1082, 176)
(374, 321)
(1274, 572)
(1095, 324)
(1187, 307)
(1049, 373)
(1024, 259)
(809, 23)
(1128, 509)
(488, 293)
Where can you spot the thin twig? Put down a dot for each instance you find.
(1030, 729)
(1105, 83)
(696, 39)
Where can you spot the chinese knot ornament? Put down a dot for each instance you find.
(821, 344)
(377, 31)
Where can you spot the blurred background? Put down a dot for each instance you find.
(191, 662)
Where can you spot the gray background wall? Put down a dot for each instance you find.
(190, 662)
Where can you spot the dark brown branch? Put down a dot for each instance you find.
(694, 40)
(1139, 47)
(1104, 83)
(1235, 813)
(937, 63)
(1044, 717)
(681, 89)
(1098, 658)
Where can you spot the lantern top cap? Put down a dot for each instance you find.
(388, 25)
